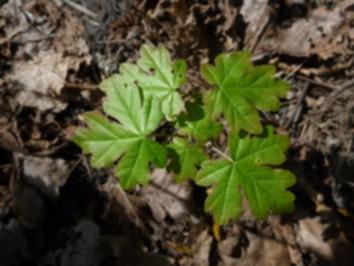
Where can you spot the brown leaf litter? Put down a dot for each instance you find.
(56, 210)
(323, 32)
(51, 43)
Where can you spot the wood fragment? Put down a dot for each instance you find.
(80, 8)
(81, 86)
(342, 88)
(298, 109)
(315, 82)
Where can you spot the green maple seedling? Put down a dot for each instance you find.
(145, 99)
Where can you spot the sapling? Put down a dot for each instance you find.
(145, 99)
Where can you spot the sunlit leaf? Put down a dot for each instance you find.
(127, 140)
(248, 172)
(240, 89)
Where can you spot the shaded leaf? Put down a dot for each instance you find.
(195, 124)
(201, 130)
(189, 156)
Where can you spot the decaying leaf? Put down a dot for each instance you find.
(264, 251)
(46, 174)
(315, 236)
(27, 203)
(166, 198)
(55, 48)
(256, 14)
(40, 79)
(324, 33)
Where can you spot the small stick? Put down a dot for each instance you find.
(318, 83)
(81, 86)
(332, 96)
(342, 88)
(292, 73)
(261, 56)
(80, 8)
(259, 36)
(299, 108)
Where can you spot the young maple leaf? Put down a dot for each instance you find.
(157, 75)
(246, 171)
(185, 158)
(201, 130)
(241, 89)
(108, 141)
(195, 124)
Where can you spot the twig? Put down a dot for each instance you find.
(278, 74)
(342, 88)
(261, 56)
(292, 73)
(81, 86)
(299, 108)
(332, 96)
(80, 8)
(318, 83)
(259, 36)
(222, 154)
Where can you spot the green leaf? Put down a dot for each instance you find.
(128, 141)
(186, 158)
(241, 89)
(248, 170)
(105, 140)
(157, 75)
(133, 168)
(201, 130)
(123, 102)
(195, 124)
(142, 94)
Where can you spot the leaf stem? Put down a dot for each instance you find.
(225, 156)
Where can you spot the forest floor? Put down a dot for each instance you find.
(55, 209)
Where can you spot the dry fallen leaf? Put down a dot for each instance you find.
(57, 48)
(121, 208)
(200, 248)
(27, 203)
(46, 174)
(314, 236)
(249, 248)
(324, 32)
(39, 79)
(256, 14)
(166, 198)
(265, 251)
